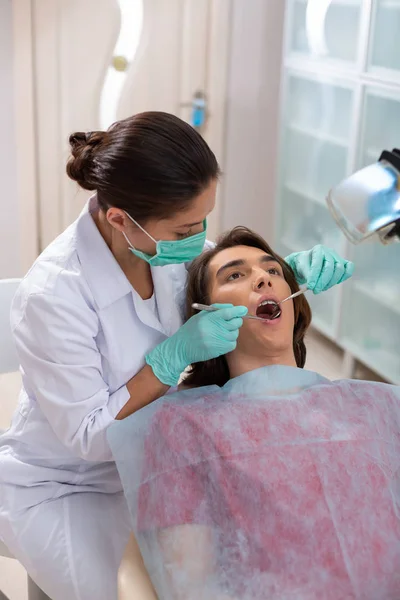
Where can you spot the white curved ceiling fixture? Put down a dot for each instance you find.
(315, 26)
(123, 55)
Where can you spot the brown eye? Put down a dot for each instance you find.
(234, 276)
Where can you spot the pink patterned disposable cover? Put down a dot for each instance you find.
(280, 485)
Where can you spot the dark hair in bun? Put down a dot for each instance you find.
(150, 165)
(80, 166)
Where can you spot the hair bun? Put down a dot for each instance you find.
(80, 167)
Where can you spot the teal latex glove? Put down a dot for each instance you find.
(204, 336)
(320, 268)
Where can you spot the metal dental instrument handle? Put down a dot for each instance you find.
(302, 291)
(208, 308)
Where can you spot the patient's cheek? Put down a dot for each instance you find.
(215, 299)
(222, 298)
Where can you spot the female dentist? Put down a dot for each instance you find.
(98, 324)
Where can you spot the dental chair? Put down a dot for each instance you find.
(8, 364)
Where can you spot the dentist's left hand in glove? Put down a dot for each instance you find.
(320, 268)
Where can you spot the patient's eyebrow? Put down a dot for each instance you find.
(240, 262)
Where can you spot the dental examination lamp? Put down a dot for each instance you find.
(367, 204)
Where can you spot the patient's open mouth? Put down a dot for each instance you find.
(269, 310)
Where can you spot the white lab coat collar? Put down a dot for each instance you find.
(105, 277)
(108, 282)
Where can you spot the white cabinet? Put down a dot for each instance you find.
(370, 325)
(340, 107)
(370, 321)
(331, 28)
(384, 53)
(381, 123)
(316, 136)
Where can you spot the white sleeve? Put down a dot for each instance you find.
(56, 344)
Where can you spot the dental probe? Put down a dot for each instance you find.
(302, 291)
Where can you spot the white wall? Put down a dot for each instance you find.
(9, 222)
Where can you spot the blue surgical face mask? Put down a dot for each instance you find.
(171, 252)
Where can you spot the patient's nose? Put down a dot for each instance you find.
(262, 280)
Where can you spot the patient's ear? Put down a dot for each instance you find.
(182, 385)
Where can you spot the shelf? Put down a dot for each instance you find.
(309, 66)
(292, 188)
(390, 4)
(318, 135)
(382, 75)
(392, 305)
(377, 361)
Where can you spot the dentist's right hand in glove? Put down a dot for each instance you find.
(204, 336)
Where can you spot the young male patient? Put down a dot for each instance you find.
(271, 482)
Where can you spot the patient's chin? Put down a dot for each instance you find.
(264, 339)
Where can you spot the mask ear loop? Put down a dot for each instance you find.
(131, 246)
(140, 227)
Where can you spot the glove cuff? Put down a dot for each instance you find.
(292, 261)
(161, 367)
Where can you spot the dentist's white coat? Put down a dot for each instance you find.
(82, 333)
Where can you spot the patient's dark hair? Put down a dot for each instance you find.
(216, 371)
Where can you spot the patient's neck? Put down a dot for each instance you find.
(240, 361)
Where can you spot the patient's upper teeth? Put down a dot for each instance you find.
(267, 302)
